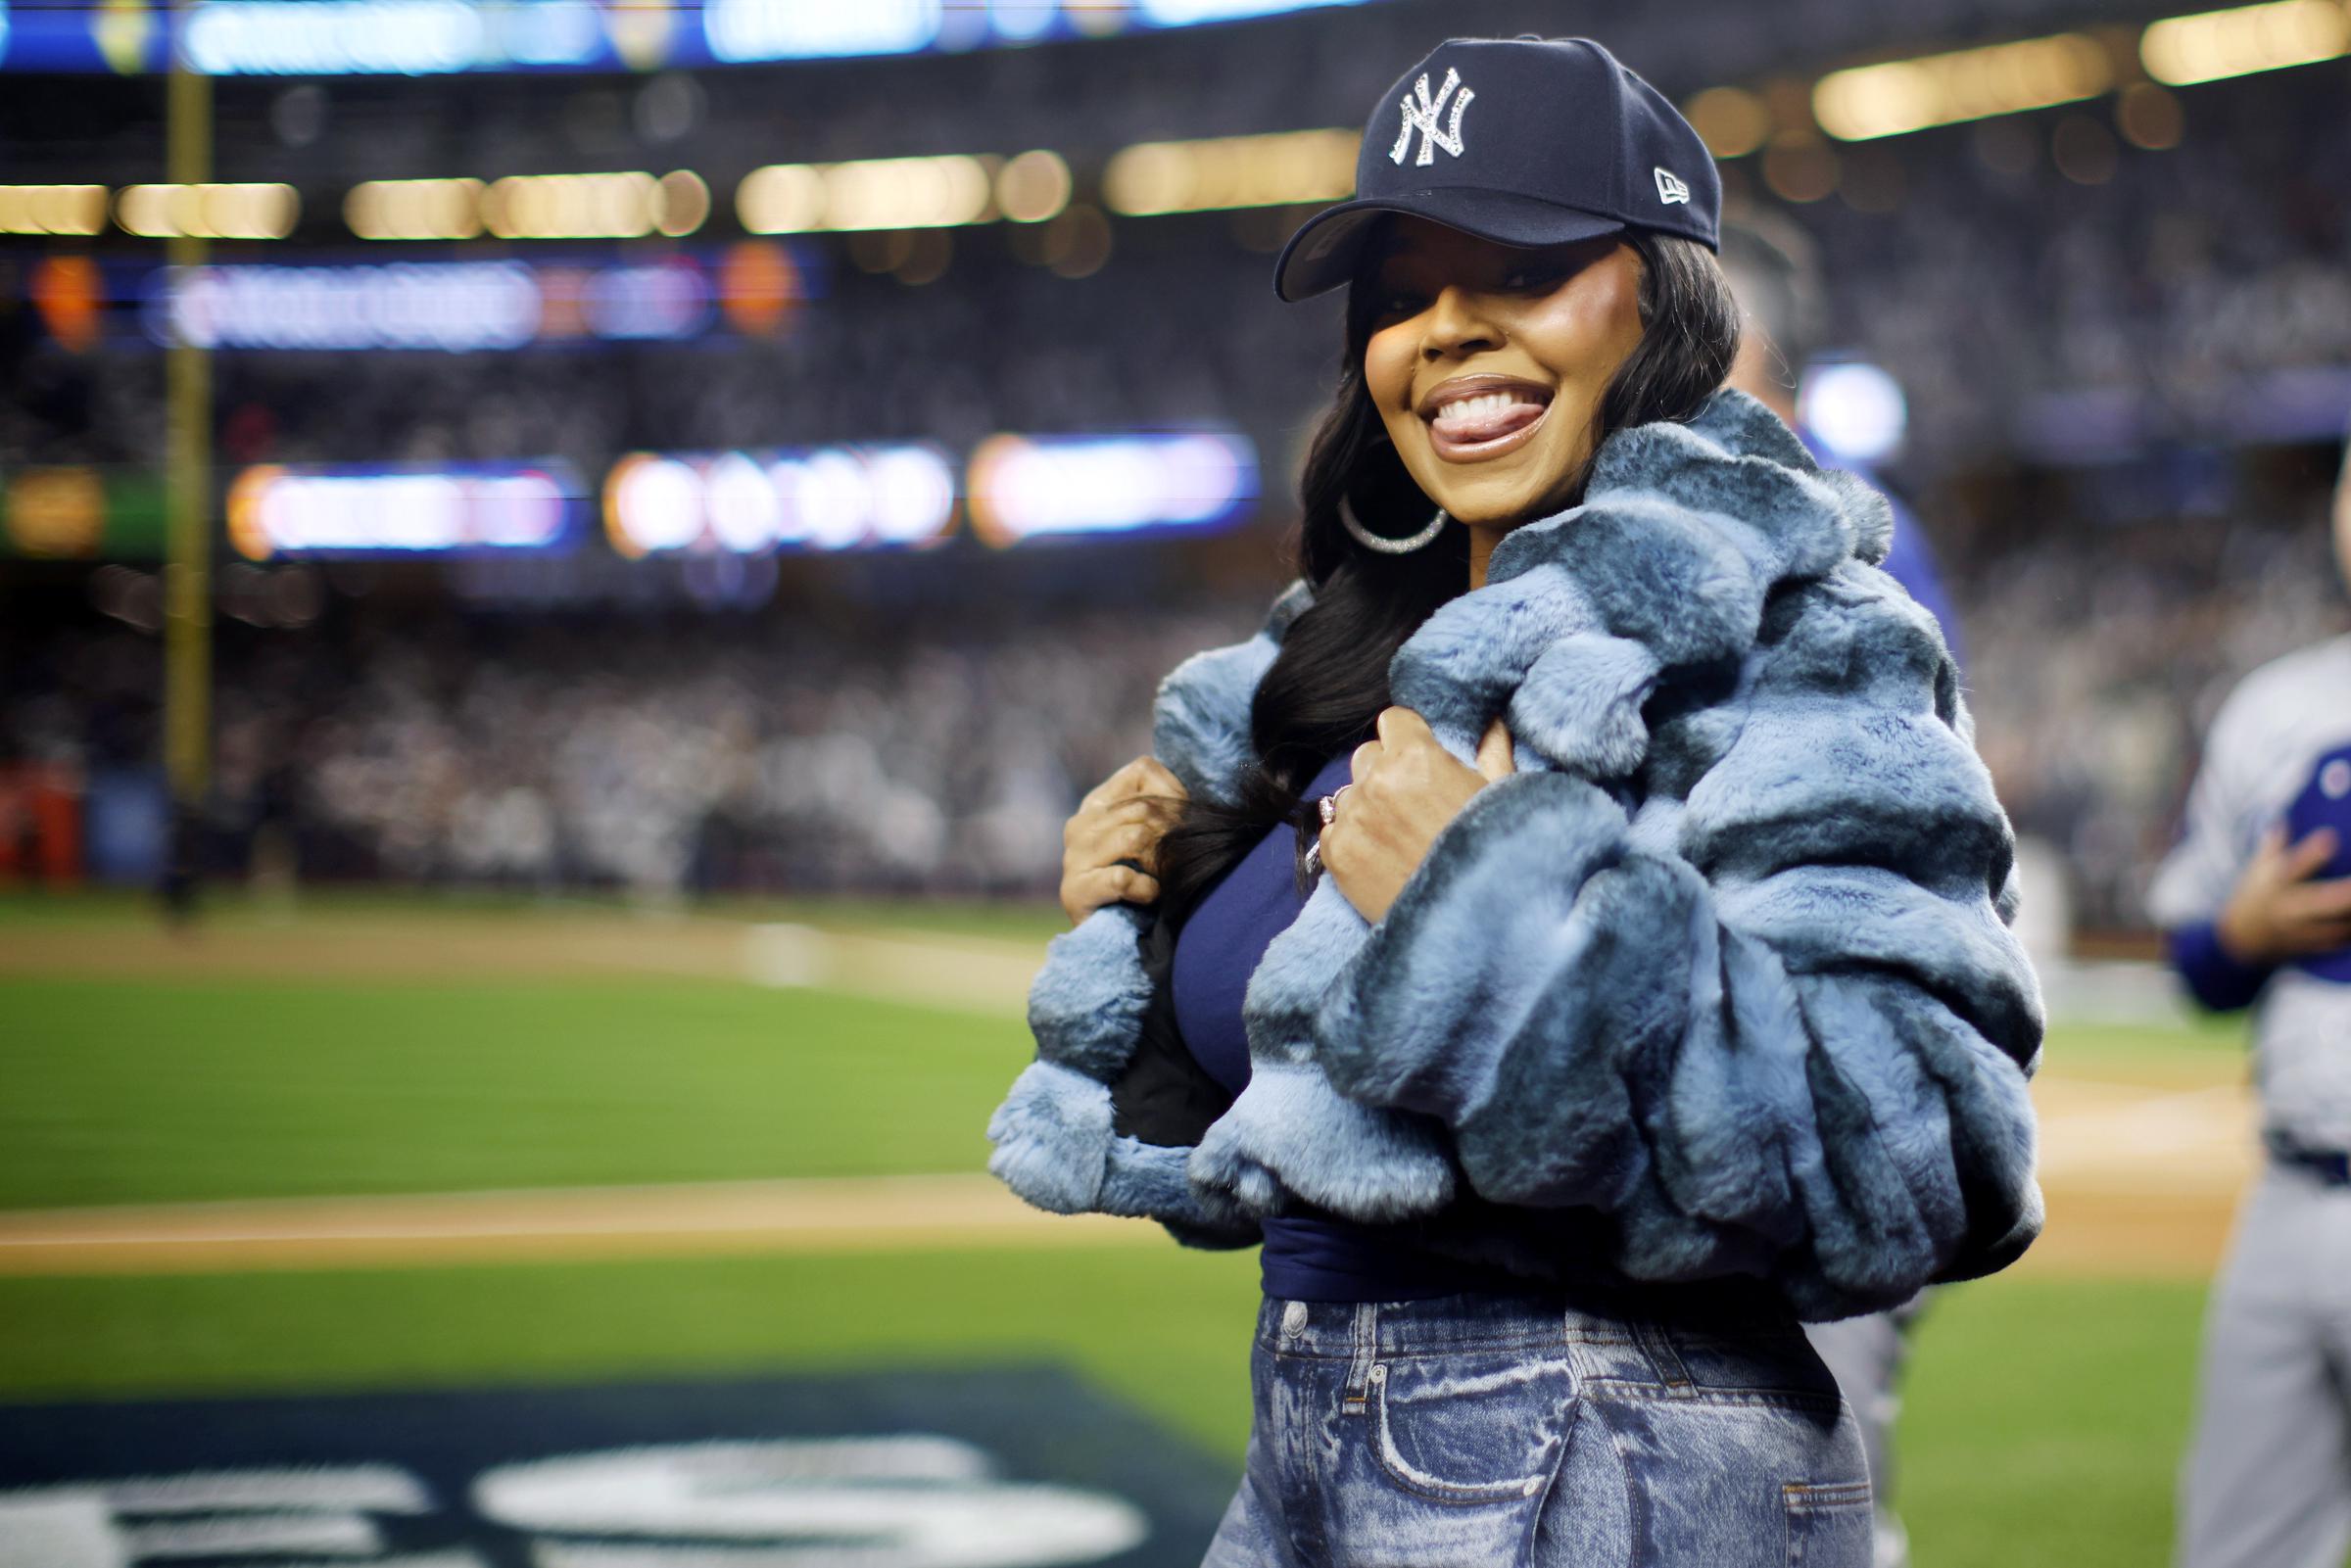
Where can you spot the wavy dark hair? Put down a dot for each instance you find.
(1331, 678)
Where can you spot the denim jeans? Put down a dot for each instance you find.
(1480, 1430)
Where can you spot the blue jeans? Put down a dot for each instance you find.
(1480, 1430)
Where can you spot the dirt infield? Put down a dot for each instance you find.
(2141, 1180)
(2142, 1166)
(687, 1219)
(2140, 1183)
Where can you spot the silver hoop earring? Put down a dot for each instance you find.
(1380, 542)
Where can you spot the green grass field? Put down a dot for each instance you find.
(2044, 1415)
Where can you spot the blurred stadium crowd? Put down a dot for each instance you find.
(658, 755)
(2123, 333)
(666, 752)
(2047, 293)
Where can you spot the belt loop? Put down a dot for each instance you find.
(1366, 1351)
(1656, 1341)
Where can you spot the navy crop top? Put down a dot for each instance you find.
(1303, 1258)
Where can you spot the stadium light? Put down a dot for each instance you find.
(335, 37)
(415, 208)
(1024, 488)
(1191, 12)
(742, 30)
(454, 307)
(1149, 178)
(1033, 187)
(69, 293)
(1853, 408)
(794, 498)
(55, 511)
(208, 211)
(530, 207)
(436, 37)
(391, 511)
(881, 193)
(1731, 121)
(1908, 95)
(2212, 45)
(588, 206)
(52, 209)
(682, 203)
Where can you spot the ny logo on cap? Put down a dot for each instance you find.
(1669, 188)
(1421, 116)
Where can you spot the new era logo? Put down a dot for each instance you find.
(1671, 189)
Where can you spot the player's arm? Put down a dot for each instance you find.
(2219, 982)
(2219, 866)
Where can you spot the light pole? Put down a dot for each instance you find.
(188, 489)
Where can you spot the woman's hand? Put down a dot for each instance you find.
(1406, 788)
(1122, 818)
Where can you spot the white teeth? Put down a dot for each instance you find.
(1484, 406)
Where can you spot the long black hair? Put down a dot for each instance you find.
(1330, 679)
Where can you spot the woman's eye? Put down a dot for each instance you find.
(1533, 277)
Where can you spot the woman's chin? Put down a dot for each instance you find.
(1500, 507)
(1500, 494)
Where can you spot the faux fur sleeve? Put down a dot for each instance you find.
(1760, 1004)
(1056, 1143)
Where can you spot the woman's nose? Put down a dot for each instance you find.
(1456, 325)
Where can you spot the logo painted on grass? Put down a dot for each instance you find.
(909, 1502)
(646, 1476)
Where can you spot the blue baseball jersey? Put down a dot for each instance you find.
(2326, 802)
(2279, 752)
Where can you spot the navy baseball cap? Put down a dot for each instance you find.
(2326, 802)
(1522, 141)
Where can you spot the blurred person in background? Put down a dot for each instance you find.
(1774, 270)
(1561, 1066)
(2255, 903)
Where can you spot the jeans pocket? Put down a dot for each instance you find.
(1765, 1365)
(1829, 1525)
(1471, 1429)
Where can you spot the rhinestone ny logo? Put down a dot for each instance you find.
(1420, 113)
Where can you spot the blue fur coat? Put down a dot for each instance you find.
(1720, 983)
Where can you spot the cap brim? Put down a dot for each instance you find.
(1321, 254)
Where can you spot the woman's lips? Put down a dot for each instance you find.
(1476, 417)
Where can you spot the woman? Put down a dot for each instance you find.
(1654, 989)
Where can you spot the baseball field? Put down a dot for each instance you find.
(367, 1146)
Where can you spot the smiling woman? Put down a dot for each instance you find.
(1492, 938)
